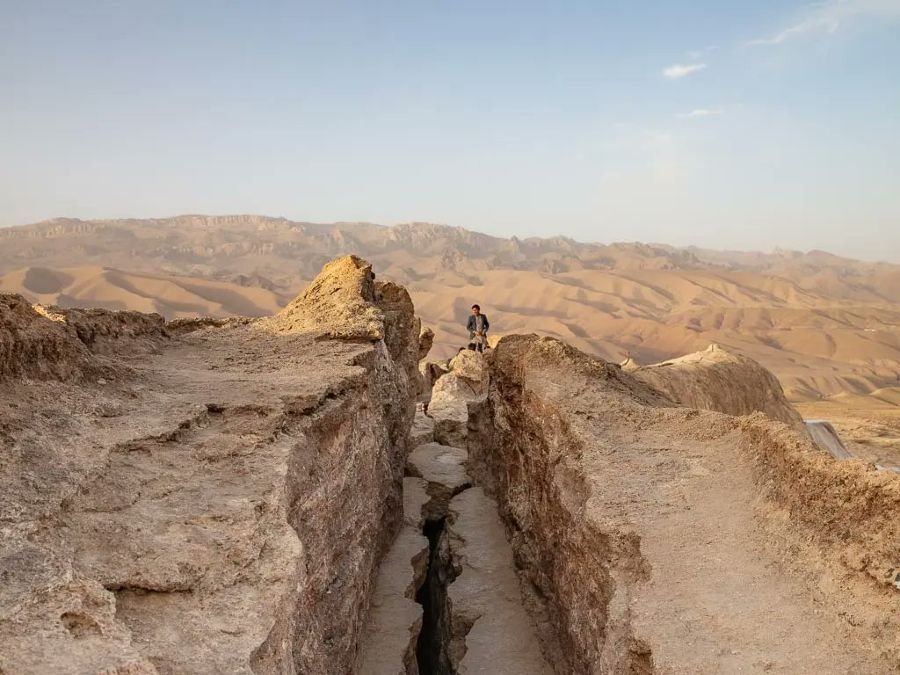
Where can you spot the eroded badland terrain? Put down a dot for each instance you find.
(827, 327)
(267, 494)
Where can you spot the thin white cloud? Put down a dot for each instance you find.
(698, 54)
(701, 112)
(678, 70)
(828, 17)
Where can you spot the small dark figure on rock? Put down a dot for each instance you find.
(477, 326)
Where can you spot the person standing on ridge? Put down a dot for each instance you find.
(477, 326)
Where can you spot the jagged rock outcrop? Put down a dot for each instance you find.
(640, 530)
(106, 332)
(50, 343)
(429, 373)
(33, 346)
(222, 505)
(339, 303)
(426, 340)
(451, 393)
(469, 366)
(716, 379)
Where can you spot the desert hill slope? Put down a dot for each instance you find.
(824, 324)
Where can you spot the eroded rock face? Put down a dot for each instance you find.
(339, 303)
(426, 340)
(469, 366)
(653, 535)
(222, 505)
(451, 393)
(33, 346)
(103, 331)
(716, 379)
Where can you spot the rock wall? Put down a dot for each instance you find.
(33, 346)
(847, 508)
(524, 451)
(50, 343)
(220, 506)
(631, 521)
(716, 379)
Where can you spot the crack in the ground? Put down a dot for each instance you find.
(438, 648)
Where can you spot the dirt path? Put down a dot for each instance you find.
(716, 601)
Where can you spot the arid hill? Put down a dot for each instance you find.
(823, 324)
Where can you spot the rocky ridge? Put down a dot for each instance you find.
(260, 496)
(219, 504)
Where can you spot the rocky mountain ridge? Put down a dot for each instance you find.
(824, 324)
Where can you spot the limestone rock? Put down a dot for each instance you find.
(32, 345)
(422, 429)
(716, 379)
(106, 332)
(627, 515)
(220, 505)
(451, 394)
(449, 408)
(426, 340)
(469, 366)
(339, 303)
(429, 373)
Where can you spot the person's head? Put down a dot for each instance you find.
(476, 310)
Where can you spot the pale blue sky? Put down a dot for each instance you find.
(725, 124)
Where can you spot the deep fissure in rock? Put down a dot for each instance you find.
(433, 646)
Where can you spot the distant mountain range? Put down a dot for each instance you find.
(823, 323)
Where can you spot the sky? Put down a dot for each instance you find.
(739, 125)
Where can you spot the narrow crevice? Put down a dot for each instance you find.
(437, 646)
(433, 646)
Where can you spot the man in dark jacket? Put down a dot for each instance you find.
(477, 326)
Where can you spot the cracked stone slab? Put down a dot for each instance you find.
(440, 464)
(486, 594)
(395, 618)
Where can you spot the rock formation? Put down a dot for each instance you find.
(219, 506)
(716, 379)
(262, 496)
(640, 528)
(465, 381)
(426, 340)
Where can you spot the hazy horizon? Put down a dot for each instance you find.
(718, 125)
(765, 251)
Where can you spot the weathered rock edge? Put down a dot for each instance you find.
(849, 509)
(523, 448)
(716, 379)
(51, 343)
(242, 539)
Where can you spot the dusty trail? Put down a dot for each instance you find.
(715, 600)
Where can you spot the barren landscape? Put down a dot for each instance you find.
(266, 496)
(828, 327)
